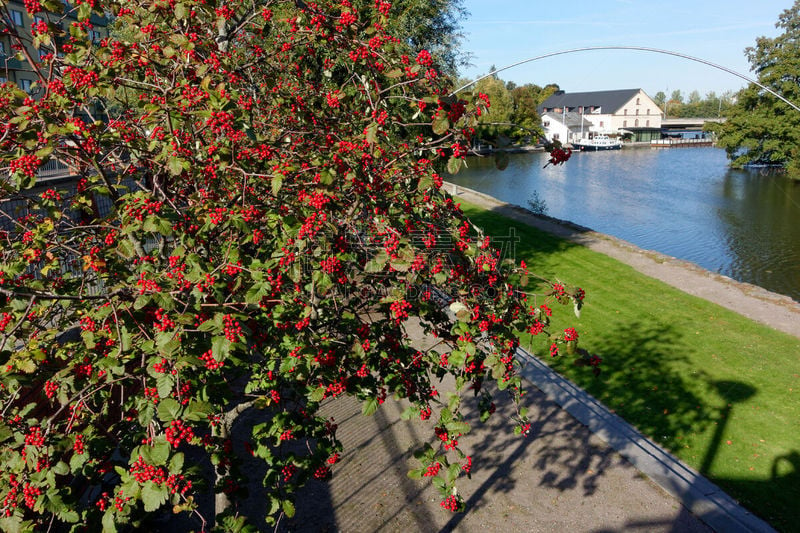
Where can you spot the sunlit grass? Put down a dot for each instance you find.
(718, 390)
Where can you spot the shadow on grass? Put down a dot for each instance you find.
(527, 241)
(647, 381)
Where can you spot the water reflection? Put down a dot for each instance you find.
(681, 202)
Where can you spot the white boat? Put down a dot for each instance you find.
(598, 142)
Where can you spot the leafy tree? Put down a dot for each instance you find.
(676, 97)
(255, 222)
(432, 25)
(759, 127)
(526, 99)
(659, 98)
(496, 121)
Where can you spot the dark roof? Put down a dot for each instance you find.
(572, 119)
(609, 101)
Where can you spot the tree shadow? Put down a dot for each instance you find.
(781, 510)
(648, 382)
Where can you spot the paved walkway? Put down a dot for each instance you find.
(582, 469)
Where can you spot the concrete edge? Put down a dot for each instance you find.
(699, 495)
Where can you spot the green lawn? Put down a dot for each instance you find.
(718, 390)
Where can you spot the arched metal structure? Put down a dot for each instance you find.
(637, 48)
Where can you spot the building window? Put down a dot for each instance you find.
(636, 124)
(647, 123)
(2, 48)
(555, 136)
(601, 123)
(546, 123)
(25, 85)
(16, 17)
(624, 111)
(95, 36)
(624, 123)
(3, 79)
(637, 101)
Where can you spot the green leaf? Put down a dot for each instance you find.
(153, 496)
(317, 395)
(454, 165)
(457, 358)
(288, 508)
(159, 452)
(176, 463)
(109, 526)
(370, 406)
(417, 473)
(440, 124)
(277, 183)
(372, 133)
(180, 11)
(168, 409)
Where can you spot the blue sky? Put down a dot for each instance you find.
(502, 32)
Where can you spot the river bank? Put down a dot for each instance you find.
(763, 306)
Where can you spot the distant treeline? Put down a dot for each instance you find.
(712, 105)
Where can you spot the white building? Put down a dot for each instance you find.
(614, 113)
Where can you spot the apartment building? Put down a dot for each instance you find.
(17, 20)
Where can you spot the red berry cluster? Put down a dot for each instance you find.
(433, 469)
(559, 156)
(35, 437)
(51, 194)
(570, 334)
(5, 319)
(79, 446)
(400, 310)
(164, 322)
(450, 503)
(233, 331)
(33, 6)
(210, 362)
(288, 471)
(177, 432)
(323, 472)
(27, 164)
(449, 443)
(553, 350)
(31, 494)
(50, 387)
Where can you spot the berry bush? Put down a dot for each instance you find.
(256, 217)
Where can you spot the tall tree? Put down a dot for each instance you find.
(432, 25)
(761, 128)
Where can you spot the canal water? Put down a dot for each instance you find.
(682, 202)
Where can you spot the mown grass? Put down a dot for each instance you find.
(718, 390)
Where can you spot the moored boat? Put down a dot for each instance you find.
(598, 142)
